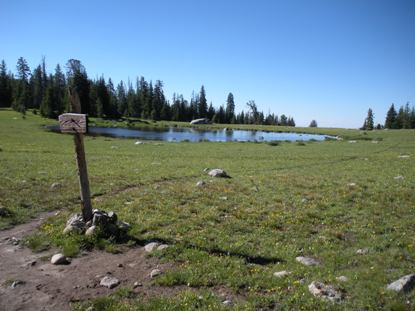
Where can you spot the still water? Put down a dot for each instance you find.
(195, 135)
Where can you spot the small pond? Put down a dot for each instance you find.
(195, 135)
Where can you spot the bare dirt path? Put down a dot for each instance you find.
(29, 282)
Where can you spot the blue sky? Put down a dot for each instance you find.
(324, 60)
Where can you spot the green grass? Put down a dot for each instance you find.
(283, 200)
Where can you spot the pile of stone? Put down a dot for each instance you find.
(106, 223)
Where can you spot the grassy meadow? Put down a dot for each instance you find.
(320, 199)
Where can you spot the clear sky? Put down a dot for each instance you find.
(325, 60)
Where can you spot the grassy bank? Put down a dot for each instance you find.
(320, 199)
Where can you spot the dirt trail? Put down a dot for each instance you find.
(44, 286)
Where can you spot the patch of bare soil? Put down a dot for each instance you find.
(28, 281)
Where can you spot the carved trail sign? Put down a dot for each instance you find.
(73, 123)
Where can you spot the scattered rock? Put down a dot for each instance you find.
(120, 265)
(281, 274)
(91, 231)
(13, 241)
(352, 184)
(323, 291)
(16, 283)
(56, 185)
(59, 259)
(308, 261)
(362, 251)
(352, 141)
(138, 143)
(227, 303)
(137, 284)
(206, 169)
(223, 198)
(151, 247)
(304, 200)
(162, 246)
(155, 272)
(217, 172)
(200, 183)
(342, 278)
(404, 284)
(109, 281)
(404, 156)
(375, 141)
(399, 177)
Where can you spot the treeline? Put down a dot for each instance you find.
(100, 98)
(404, 118)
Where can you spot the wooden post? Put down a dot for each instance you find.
(76, 123)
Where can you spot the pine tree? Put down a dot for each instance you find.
(78, 81)
(23, 94)
(6, 93)
(59, 86)
(37, 86)
(121, 99)
(113, 103)
(283, 120)
(368, 124)
(202, 107)
(230, 108)
(47, 106)
(391, 115)
(313, 123)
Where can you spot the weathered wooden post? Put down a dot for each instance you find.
(76, 124)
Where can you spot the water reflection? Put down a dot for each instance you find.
(194, 135)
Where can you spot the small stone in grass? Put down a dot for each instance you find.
(155, 272)
(281, 274)
(342, 278)
(326, 292)
(362, 251)
(307, 261)
(200, 183)
(151, 247)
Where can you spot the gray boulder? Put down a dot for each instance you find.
(404, 284)
(59, 259)
(200, 121)
(217, 172)
(109, 282)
